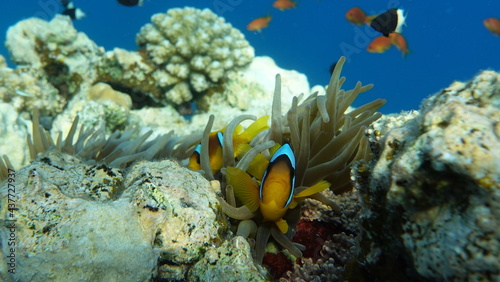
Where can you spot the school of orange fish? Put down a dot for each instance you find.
(358, 17)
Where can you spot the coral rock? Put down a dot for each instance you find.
(232, 261)
(431, 209)
(78, 221)
(192, 46)
(38, 43)
(102, 92)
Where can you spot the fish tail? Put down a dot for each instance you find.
(369, 19)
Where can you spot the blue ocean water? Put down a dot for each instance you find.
(447, 38)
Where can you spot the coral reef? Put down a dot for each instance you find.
(112, 201)
(13, 130)
(431, 205)
(64, 55)
(28, 88)
(81, 221)
(192, 50)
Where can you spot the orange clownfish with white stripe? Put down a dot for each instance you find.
(276, 193)
(216, 141)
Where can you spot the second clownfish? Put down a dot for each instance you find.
(276, 192)
(216, 140)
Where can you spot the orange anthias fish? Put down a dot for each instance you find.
(259, 24)
(379, 45)
(493, 25)
(284, 4)
(356, 16)
(398, 40)
(276, 193)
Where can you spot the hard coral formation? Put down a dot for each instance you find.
(192, 50)
(65, 55)
(28, 88)
(431, 205)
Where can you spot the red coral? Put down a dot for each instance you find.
(313, 234)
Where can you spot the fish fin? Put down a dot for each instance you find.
(316, 188)
(253, 129)
(258, 166)
(282, 226)
(308, 192)
(241, 150)
(274, 148)
(245, 189)
(405, 53)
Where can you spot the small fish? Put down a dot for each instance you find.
(71, 11)
(22, 93)
(388, 22)
(332, 67)
(276, 193)
(131, 3)
(356, 16)
(379, 45)
(216, 141)
(259, 24)
(398, 40)
(284, 4)
(493, 25)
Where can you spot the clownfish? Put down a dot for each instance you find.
(276, 192)
(389, 22)
(216, 141)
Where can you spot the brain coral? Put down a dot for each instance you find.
(192, 50)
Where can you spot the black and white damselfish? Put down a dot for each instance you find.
(131, 3)
(71, 11)
(389, 22)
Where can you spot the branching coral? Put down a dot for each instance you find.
(192, 50)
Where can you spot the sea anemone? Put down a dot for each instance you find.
(326, 138)
(5, 167)
(92, 146)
